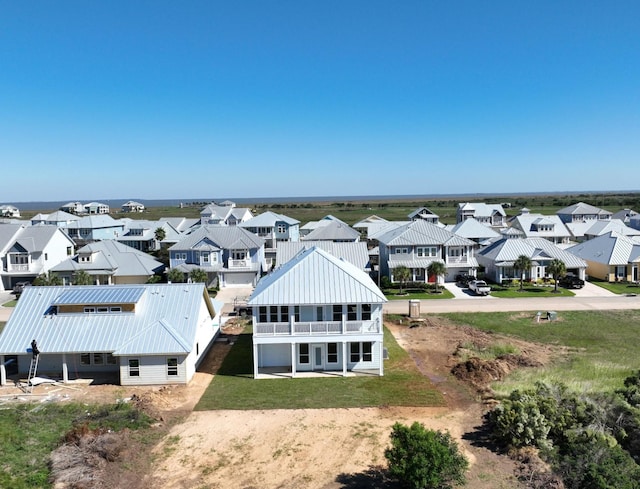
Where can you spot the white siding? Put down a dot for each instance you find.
(274, 355)
(153, 370)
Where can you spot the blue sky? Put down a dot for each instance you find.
(286, 98)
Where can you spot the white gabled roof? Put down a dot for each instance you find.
(509, 249)
(268, 219)
(316, 277)
(353, 252)
(422, 233)
(472, 229)
(610, 249)
(582, 208)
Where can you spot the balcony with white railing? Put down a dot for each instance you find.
(239, 263)
(317, 328)
(458, 259)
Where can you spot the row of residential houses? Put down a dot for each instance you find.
(315, 306)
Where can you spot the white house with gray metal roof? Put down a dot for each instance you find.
(612, 257)
(317, 313)
(226, 214)
(417, 244)
(131, 335)
(583, 212)
(333, 230)
(489, 214)
(549, 227)
(499, 257)
(355, 253)
(28, 251)
(231, 254)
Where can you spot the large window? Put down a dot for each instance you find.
(429, 251)
(361, 352)
(337, 312)
(134, 367)
(352, 312)
(366, 312)
(332, 352)
(262, 314)
(172, 366)
(303, 353)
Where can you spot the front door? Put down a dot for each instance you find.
(318, 357)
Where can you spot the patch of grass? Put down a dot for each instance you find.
(10, 303)
(622, 288)
(30, 432)
(490, 352)
(601, 346)
(394, 294)
(528, 291)
(235, 388)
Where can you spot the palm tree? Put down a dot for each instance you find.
(557, 269)
(198, 275)
(521, 265)
(160, 234)
(81, 277)
(175, 276)
(47, 279)
(436, 269)
(402, 275)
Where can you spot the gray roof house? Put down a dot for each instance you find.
(224, 215)
(141, 234)
(132, 206)
(489, 214)
(129, 334)
(417, 244)
(542, 226)
(10, 211)
(612, 257)
(499, 257)
(109, 262)
(624, 215)
(424, 214)
(182, 224)
(57, 218)
(317, 313)
(599, 228)
(28, 251)
(582, 212)
(273, 228)
(334, 230)
(230, 254)
(92, 228)
(475, 231)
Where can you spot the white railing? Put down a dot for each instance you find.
(457, 259)
(310, 328)
(239, 263)
(18, 267)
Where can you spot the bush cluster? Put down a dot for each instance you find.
(591, 442)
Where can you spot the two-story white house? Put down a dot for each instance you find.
(230, 254)
(273, 228)
(488, 214)
(225, 214)
(29, 251)
(417, 244)
(317, 313)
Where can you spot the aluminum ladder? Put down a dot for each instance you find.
(33, 368)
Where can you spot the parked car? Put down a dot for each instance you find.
(479, 287)
(571, 282)
(19, 287)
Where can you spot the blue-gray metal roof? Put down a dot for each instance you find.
(99, 295)
(165, 320)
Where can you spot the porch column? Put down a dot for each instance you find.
(65, 369)
(3, 371)
(293, 359)
(381, 372)
(344, 358)
(255, 361)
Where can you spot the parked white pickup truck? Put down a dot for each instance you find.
(479, 287)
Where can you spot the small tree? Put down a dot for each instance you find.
(437, 269)
(175, 276)
(47, 279)
(557, 269)
(198, 275)
(401, 274)
(81, 277)
(521, 265)
(160, 234)
(424, 459)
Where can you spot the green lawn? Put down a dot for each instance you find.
(602, 346)
(622, 288)
(528, 291)
(235, 388)
(394, 294)
(10, 303)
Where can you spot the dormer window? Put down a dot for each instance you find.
(84, 258)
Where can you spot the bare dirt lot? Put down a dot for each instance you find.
(313, 448)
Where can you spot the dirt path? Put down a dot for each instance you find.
(331, 448)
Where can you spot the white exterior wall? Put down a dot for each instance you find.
(56, 251)
(153, 371)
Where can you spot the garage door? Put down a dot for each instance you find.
(239, 279)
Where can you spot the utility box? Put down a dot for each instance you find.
(552, 315)
(414, 308)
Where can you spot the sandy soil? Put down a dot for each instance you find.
(335, 448)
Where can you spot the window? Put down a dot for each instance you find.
(319, 313)
(352, 312)
(337, 312)
(282, 228)
(361, 352)
(427, 251)
(402, 251)
(332, 352)
(214, 258)
(134, 367)
(172, 366)
(69, 251)
(115, 309)
(85, 358)
(110, 360)
(262, 314)
(296, 313)
(303, 353)
(366, 312)
(273, 314)
(89, 310)
(238, 255)
(284, 314)
(354, 349)
(103, 309)
(46, 256)
(205, 258)
(98, 359)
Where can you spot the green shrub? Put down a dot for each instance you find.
(424, 459)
